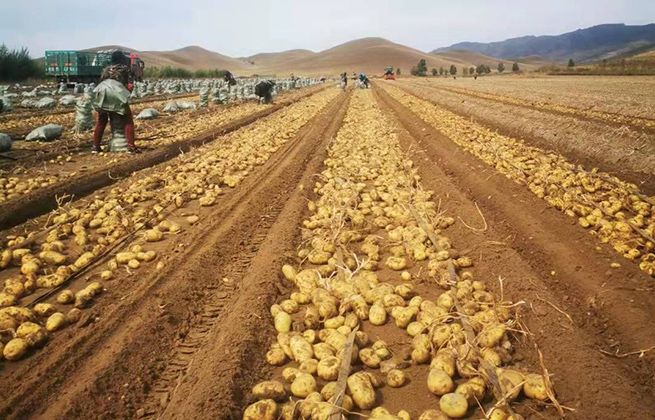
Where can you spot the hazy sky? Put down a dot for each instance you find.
(245, 27)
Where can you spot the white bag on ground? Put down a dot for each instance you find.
(204, 97)
(27, 103)
(5, 105)
(148, 114)
(171, 107)
(187, 105)
(44, 103)
(46, 133)
(67, 100)
(83, 115)
(5, 143)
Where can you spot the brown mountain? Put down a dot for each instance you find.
(367, 55)
(463, 57)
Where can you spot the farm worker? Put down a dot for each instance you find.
(344, 79)
(364, 79)
(264, 89)
(229, 78)
(112, 103)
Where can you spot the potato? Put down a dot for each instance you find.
(498, 414)
(309, 336)
(66, 297)
(125, 257)
(492, 335)
(15, 349)
(5, 258)
(307, 406)
(510, 380)
(303, 385)
(84, 260)
(404, 415)
(33, 334)
(52, 257)
(361, 339)
(370, 358)
(276, 357)
(261, 410)
(441, 334)
(51, 280)
(405, 275)
(312, 317)
(83, 297)
(377, 315)
(73, 316)
(289, 374)
(454, 405)
(328, 368)
(361, 389)
(300, 298)
(535, 387)
(491, 356)
(403, 316)
(433, 415)
(19, 314)
(381, 350)
(415, 328)
(272, 390)
(381, 413)
(329, 390)
(30, 266)
(106, 275)
(44, 309)
(283, 322)
(154, 235)
(421, 349)
(396, 378)
(133, 264)
(56, 322)
(396, 263)
(289, 306)
(289, 272)
(309, 366)
(439, 382)
(7, 299)
(335, 322)
(7, 322)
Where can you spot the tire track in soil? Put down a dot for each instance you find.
(227, 366)
(109, 371)
(525, 242)
(29, 206)
(645, 182)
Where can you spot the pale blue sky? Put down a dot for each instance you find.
(246, 27)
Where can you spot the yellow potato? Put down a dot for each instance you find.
(66, 297)
(53, 257)
(403, 316)
(381, 349)
(56, 322)
(328, 368)
(439, 382)
(511, 382)
(261, 410)
(276, 357)
(84, 260)
(377, 315)
(433, 415)
(289, 272)
(492, 335)
(303, 385)
(369, 358)
(404, 415)
(283, 322)
(7, 300)
(33, 334)
(309, 366)
(289, 306)
(51, 280)
(272, 390)
(396, 263)
(19, 314)
(361, 389)
(73, 316)
(44, 309)
(535, 387)
(396, 378)
(454, 405)
(125, 257)
(154, 235)
(15, 349)
(7, 322)
(300, 298)
(289, 374)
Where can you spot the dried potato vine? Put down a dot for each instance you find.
(80, 233)
(614, 211)
(364, 228)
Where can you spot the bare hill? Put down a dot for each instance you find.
(272, 59)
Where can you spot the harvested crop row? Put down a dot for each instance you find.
(76, 236)
(614, 211)
(548, 106)
(383, 302)
(183, 127)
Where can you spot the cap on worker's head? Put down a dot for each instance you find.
(117, 57)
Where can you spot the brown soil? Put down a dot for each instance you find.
(188, 340)
(527, 241)
(566, 138)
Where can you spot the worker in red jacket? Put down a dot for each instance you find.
(117, 71)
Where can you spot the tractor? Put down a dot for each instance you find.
(389, 74)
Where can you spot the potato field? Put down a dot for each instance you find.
(426, 249)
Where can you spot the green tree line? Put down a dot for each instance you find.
(169, 72)
(17, 65)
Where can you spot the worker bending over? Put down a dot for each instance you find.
(112, 102)
(264, 90)
(364, 80)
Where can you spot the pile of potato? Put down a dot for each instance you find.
(365, 256)
(613, 210)
(78, 234)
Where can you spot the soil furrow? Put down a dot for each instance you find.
(546, 259)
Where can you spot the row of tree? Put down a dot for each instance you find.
(17, 65)
(421, 69)
(169, 72)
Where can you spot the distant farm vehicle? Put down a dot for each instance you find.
(86, 67)
(389, 74)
